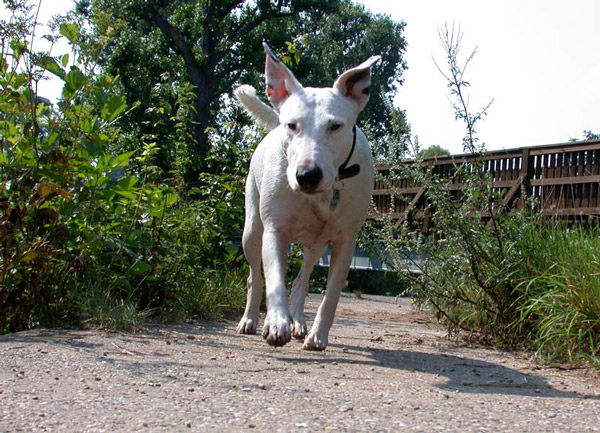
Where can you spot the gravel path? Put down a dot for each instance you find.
(387, 369)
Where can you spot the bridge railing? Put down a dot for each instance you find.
(563, 178)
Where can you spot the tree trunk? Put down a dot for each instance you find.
(201, 77)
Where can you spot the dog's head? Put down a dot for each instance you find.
(318, 122)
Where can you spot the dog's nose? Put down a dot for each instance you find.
(309, 178)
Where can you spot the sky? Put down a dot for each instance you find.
(538, 60)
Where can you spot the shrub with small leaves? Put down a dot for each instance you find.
(90, 235)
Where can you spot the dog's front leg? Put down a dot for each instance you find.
(276, 329)
(300, 288)
(338, 271)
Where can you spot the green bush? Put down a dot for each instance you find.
(560, 292)
(515, 280)
(510, 279)
(92, 236)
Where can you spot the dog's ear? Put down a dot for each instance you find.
(355, 82)
(281, 83)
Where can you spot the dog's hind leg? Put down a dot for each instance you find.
(300, 288)
(252, 244)
(341, 258)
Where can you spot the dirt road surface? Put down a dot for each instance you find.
(387, 369)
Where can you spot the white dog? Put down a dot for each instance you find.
(310, 183)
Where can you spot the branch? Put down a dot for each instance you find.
(451, 41)
(248, 27)
(173, 34)
(227, 7)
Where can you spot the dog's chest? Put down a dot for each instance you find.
(313, 224)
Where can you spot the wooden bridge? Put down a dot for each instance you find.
(563, 178)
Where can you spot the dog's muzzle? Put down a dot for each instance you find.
(308, 178)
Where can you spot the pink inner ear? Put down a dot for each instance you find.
(280, 94)
(349, 87)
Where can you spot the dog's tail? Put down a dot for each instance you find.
(259, 111)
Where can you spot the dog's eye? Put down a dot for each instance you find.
(335, 126)
(291, 126)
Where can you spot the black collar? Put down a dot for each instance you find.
(345, 172)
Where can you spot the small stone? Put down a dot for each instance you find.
(261, 386)
(346, 408)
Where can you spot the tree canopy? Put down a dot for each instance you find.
(433, 151)
(189, 55)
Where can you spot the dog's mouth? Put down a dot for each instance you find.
(309, 191)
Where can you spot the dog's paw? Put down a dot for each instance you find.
(299, 329)
(277, 329)
(246, 326)
(314, 341)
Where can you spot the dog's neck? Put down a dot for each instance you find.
(344, 171)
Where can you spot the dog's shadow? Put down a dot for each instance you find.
(462, 373)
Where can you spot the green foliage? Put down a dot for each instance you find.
(433, 151)
(451, 39)
(201, 50)
(560, 292)
(587, 135)
(509, 279)
(331, 43)
(506, 279)
(89, 234)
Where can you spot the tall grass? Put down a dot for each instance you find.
(559, 300)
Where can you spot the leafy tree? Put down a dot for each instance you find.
(590, 135)
(162, 48)
(332, 43)
(587, 135)
(433, 151)
(81, 241)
